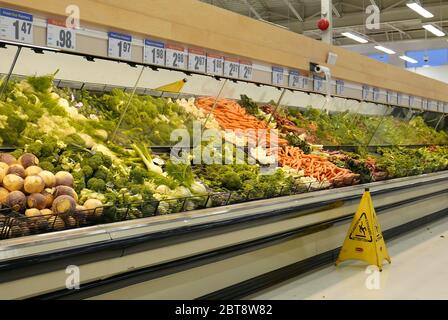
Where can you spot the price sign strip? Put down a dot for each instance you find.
(215, 64)
(120, 46)
(197, 60)
(154, 52)
(176, 57)
(16, 26)
(246, 70)
(59, 36)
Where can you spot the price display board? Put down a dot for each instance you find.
(277, 76)
(120, 46)
(59, 36)
(215, 64)
(154, 53)
(197, 60)
(16, 26)
(176, 57)
(246, 70)
(294, 79)
(231, 67)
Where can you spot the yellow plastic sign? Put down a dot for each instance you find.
(364, 240)
(174, 87)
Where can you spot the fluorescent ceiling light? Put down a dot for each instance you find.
(419, 9)
(408, 59)
(354, 37)
(384, 49)
(435, 31)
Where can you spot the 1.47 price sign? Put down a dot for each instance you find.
(16, 26)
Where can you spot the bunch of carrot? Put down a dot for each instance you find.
(231, 116)
(315, 166)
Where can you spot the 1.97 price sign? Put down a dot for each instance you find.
(59, 36)
(16, 26)
(120, 46)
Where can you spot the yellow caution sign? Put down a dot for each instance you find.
(174, 87)
(364, 240)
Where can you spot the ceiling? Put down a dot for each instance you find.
(397, 21)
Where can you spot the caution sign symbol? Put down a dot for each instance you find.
(361, 230)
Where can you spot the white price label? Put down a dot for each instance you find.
(215, 64)
(120, 46)
(277, 76)
(318, 85)
(231, 68)
(411, 101)
(16, 26)
(154, 53)
(375, 94)
(175, 57)
(294, 79)
(246, 70)
(59, 36)
(340, 86)
(197, 60)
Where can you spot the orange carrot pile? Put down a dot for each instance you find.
(315, 166)
(231, 116)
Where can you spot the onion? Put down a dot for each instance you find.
(32, 171)
(64, 178)
(28, 160)
(49, 179)
(34, 184)
(13, 182)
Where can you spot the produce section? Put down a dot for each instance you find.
(104, 153)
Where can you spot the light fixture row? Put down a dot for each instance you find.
(414, 5)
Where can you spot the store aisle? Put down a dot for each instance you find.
(419, 270)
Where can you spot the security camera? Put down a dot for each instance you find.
(317, 68)
(426, 59)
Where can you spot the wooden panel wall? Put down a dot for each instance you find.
(199, 24)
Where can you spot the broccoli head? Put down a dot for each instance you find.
(231, 181)
(138, 175)
(97, 185)
(80, 181)
(102, 173)
(88, 171)
(48, 166)
(95, 161)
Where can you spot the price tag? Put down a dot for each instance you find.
(445, 107)
(277, 76)
(154, 53)
(120, 46)
(231, 68)
(215, 64)
(411, 101)
(375, 94)
(365, 92)
(294, 79)
(175, 57)
(197, 60)
(246, 70)
(339, 87)
(16, 26)
(317, 83)
(59, 36)
(399, 99)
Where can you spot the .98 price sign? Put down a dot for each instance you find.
(59, 36)
(16, 26)
(120, 46)
(175, 56)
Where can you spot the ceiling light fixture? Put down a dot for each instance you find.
(354, 37)
(434, 30)
(419, 9)
(408, 59)
(384, 49)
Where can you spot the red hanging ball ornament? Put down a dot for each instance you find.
(323, 24)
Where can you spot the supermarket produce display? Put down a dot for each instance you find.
(83, 158)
